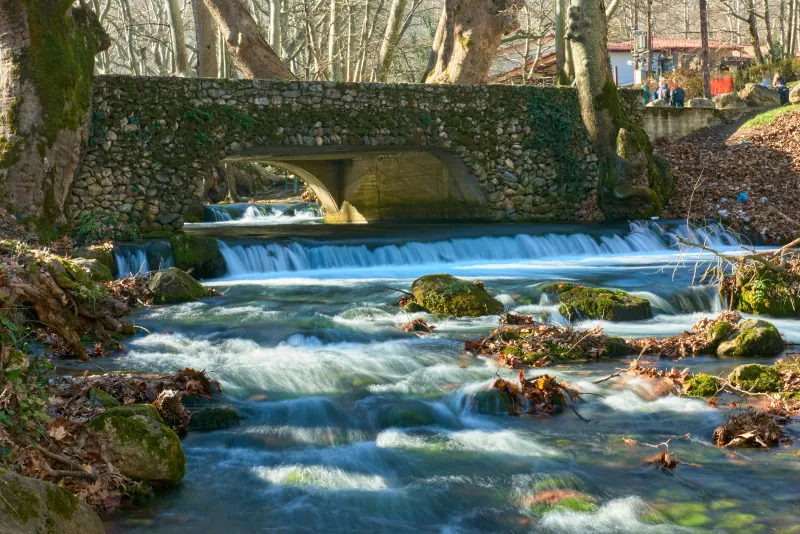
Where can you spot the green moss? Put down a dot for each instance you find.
(102, 399)
(766, 292)
(753, 338)
(512, 350)
(444, 294)
(756, 378)
(61, 502)
(608, 304)
(199, 255)
(17, 502)
(130, 410)
(565, 353)
(718, 333)
(576, 503)
(702, 385)
(173, 286)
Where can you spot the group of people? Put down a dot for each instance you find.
(674, 96)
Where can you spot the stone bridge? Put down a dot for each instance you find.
(371, 152)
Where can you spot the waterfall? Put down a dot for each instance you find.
(258, 212)
(220, 214)
(643, 238)
(131, 261)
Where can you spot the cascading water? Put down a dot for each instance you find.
(131, 261)
(259, 214)
(351, 424)
(643, 238)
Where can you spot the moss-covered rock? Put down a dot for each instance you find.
(214, 418)
(413, 307)
(31, 506)
(198, 254)
(174, 286)
(756, 378)
(143, 446)
(101, 399)
(600, 303)
(104, 254)
(444, 294)
(766, 292)
(701, 385)
(717, 334)
(616, 347)
(97, 271)
(752, 338)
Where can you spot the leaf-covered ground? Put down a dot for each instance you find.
(712, 167)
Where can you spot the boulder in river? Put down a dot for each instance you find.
(756, 378)
(443, 294)
(143, 447)
(701, 385)
(599, 303)
(198, 254)
(214, 418)
(32, 506)
(765, 292)
(174, 286)
(752, 338)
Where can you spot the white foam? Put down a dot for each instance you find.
(320, 477)
(617, 516)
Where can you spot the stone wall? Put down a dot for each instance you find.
(153, 139)
(673, 123)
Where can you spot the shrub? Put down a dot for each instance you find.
(788, 68)
(93, 229)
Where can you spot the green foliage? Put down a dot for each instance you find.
(91, 229)
(756, 378)
(239, 119)
(25, 392)
(788, 68)
(559, 109)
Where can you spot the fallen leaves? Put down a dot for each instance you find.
(712, 167)
(418, 325)
(663, 461)
(541, 394)
(750, 427)
(690, 343)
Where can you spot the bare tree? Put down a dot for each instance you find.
(178, 38)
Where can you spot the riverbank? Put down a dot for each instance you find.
(745, 174)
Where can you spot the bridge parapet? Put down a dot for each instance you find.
(505, 153)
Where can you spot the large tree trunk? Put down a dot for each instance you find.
(207, 38)
(773, 52)
(560, 42)
(472, 32)
(45, 102)
(704, 48)
(177, 38)
(251, 54)
(390, 38)
(333, 35)
(631, 184)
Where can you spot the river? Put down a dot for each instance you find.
(352, 425)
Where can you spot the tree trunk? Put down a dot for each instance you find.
(207, 39)
(275, 26)
(433, 55)
(773, 53)
(250, 52)
(177, 38)
(560, 42)
(704, 45)
(752, 26)
(389, 42)
(333, 34)
(472, 34)
(127, 20)
(631, 185)
(45, 103)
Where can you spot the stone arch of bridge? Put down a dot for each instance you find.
(378, 183)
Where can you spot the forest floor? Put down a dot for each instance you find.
(758, 156)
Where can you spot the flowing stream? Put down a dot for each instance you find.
(352, 425)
